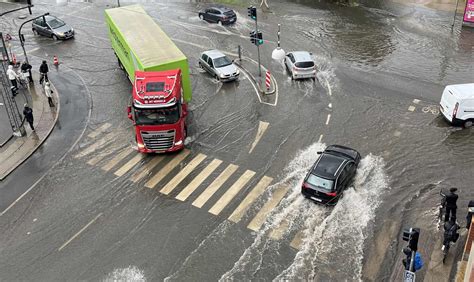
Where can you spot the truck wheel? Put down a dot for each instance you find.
(468, 123)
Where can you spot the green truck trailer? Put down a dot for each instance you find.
(140, 44)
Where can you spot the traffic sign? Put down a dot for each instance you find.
(409, 276)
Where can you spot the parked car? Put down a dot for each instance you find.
(457, 104)
(53, 27)
(300, 65)
(218, 65)
(331, 174)
(218, 14)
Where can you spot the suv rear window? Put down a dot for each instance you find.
(304, 65)
(229, 13)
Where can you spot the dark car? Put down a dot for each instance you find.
(53, 27)
(331, 174)
(220, 15)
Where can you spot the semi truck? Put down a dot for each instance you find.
(159, 74)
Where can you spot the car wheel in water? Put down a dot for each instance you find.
(219, 23)
(200, 65)
(216, 77)
(201, 17)
(35, 32)
(54, 37)
(468, 123)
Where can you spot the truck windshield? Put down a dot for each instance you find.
(157, 116)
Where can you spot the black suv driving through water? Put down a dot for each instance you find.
(331, 174)
(218, 14)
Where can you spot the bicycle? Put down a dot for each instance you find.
(22, 80)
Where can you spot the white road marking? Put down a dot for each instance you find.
(278, 232)
(397, 133)
(1, 104)
(320, 138)
(78, 233)
(188, 190)
(131, 163)
(329, 87)
(297, 240)
(259, 219)
(175, 161)
(99, 130)
(170, 186)
(416, 101)
(239, 212)
(120, 156)
(411, 108)
(330, 105)
(262, 127)
(97, 145)
(215, 185)
(232, 192)
(328, 118)
(147, 168)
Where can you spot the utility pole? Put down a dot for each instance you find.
(454, 17)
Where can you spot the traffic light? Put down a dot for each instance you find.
(253, 37)
(411, 236)
(252, 12)
(29, 5)
(260, 38)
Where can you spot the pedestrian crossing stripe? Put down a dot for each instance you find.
(131, 163)
(119, 157)
(215, 185)
(261, 216)
(231, 192)
(147, 167)
(99, 130)
(264, 182)
(188, 190)
(97, 145)
(170, 186)
(175, 161)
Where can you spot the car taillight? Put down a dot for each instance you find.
(455, 111)
(224, 18)
(331, 194)
(305, 186)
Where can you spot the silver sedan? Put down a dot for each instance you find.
(218, 65)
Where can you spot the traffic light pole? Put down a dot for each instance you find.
(258, 54)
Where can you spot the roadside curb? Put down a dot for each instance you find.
(44, 102)
(260, 90)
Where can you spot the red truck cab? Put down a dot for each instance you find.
(158, 111)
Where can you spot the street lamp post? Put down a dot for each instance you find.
(454, 17)
(22, 38)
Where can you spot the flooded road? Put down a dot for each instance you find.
(239, 213)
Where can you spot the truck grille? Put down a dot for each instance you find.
(158, 140)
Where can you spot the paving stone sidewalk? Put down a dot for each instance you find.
(19, 149)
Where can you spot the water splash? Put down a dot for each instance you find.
(130, 273)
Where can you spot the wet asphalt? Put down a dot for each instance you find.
(373, 61)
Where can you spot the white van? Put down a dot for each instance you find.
(457, 104)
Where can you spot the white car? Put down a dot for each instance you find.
(218, 65)
(457, 104)
(300, 65)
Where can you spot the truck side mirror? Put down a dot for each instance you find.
(129, 112)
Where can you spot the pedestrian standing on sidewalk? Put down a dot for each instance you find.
(28, 113)
(25, 69)
(48, 92)
(12, 76)
(44, 72)
(451, 206)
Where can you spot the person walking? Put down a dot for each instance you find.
(48, 92)
(12, 76)
(450, 233)
(28, 113)
(26, 70)
(451, 206)
(43, 69)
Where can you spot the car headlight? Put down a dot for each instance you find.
(72, 29)
(221, 75)
(178, 143)
(237, 72)
(61, 33)
(141, 145)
